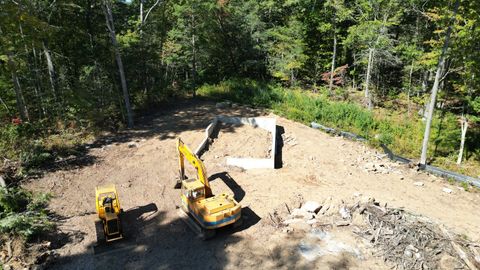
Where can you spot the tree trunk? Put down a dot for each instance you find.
(4, 105)
(118, 57)
(33, 70)
(194, 58)
(51, 70)
(37, 81)
(464, 127)
(368, 95)
(433, 97)
(22, 109)
(409, 87)
(332, 69)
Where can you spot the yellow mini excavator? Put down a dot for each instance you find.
(203, 211)
(108, 227)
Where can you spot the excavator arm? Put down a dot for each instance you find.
(185, 153)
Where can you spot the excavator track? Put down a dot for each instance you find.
(201, 233)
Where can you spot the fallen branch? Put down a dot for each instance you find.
(459, 250)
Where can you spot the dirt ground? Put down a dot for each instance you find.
(239, 141)
(315, 166)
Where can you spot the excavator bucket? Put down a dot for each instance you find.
(178, 183)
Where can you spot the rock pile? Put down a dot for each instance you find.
(375, 163)
(404, 240)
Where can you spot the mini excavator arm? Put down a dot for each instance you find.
(185, 153)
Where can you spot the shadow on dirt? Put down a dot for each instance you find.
(186, 115)
(238, 192)
(150, 243)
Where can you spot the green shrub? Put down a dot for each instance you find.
(23, 213)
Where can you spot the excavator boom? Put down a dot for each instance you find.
(203, 211)
(185, 153)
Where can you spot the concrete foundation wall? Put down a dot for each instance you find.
(268, 124)
(208, 133)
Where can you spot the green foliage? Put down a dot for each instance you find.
(23, 213)
(402, 134)
(183, 44)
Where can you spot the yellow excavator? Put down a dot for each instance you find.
(203, 211)
(108, 227)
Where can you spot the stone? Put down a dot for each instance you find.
(300, 226)
(324, 209)
(301, 213)
(222, 105)
(419, 184)
(311, 206)
(345, 213)
(447, 190)
(291, 221)
(312, 221)
(132, 145)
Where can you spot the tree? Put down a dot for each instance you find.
(372, 39)
(340, 13)
(118, 58)
(433, 97)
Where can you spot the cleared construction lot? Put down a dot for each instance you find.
(313, 166)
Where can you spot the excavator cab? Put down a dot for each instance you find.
(193, 189)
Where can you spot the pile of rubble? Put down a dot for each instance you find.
(376, 163)
(402, 239)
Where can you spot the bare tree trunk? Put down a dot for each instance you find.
(368, 95)
(464, 127)
(118, 57)
(37, 81)
(22, 109)
(433, 97)
(4, 105)
(141, 14)
(194, 58)
(409, 87)
(33, 70)
(51, 70)
(332, 69)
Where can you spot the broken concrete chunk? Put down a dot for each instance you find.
(419, 184)
(301, 213)
(447, 190)
(312, 221)
(311, 206)
(345, 213)
(324, 209)
(291, 221)
(300, 226)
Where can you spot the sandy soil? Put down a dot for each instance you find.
(143, 165)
